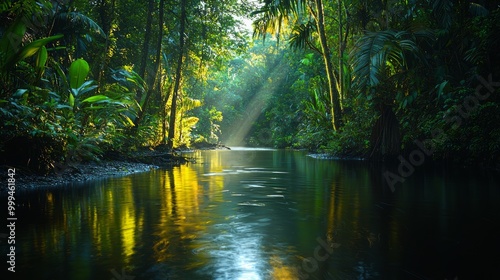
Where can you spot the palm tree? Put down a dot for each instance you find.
(78, 30)
(390, 65)
(384, 63)
(276, 13)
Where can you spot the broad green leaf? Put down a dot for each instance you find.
(96, 98)
(42, 57)
(78, 72)
(33, 47)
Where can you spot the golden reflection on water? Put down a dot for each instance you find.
(128, 223)
(183, 213)
(280, 271)
(173, 213)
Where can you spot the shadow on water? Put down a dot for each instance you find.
(262, 214)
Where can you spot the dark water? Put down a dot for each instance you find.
(263, 214)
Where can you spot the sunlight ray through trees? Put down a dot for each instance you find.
(349, 77)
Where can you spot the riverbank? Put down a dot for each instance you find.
(121, 164)
(112, 165)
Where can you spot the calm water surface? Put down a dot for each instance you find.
(263, 214)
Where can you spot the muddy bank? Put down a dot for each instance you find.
(112, 165)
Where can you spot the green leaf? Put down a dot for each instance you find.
(78, 72)
(477, 10)
(60, 73)
(95, 107)
(441, 88)
(42, 57)
(19, 92)
(33, 47)
(71, 100)
(128, 120)
(97, 98)
(12, 39)
(84, 88)
(63, 106)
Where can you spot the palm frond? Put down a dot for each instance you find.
(79, 22)
(376, 51)
(443, 10)
(367, 57)
(477, 10)
(190, 103)
(302, 35)
(273, 14)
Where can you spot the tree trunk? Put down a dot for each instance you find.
(386, 138)
(341, 76)
(334, 94)
(107, 23)
(178, 73)
(147, 39)
(157, 65)
(164, 115)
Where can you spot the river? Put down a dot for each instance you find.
(262, 214)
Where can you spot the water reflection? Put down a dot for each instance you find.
(259, 214)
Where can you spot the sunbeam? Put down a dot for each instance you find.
(257, 105)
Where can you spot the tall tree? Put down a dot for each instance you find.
(147, 39)
(276, 13)
(152, 87)
(178, 73)
(332, 80)
(107, 15)
(384, 64)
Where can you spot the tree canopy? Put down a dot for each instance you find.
(356, 78)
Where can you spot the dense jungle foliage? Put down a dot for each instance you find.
(354, 78)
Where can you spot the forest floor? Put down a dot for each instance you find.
(112, 165)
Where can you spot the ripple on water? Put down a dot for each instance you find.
(254, 204)
(254, 186)
(276, 195)
(237, 194)
(245, 170)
